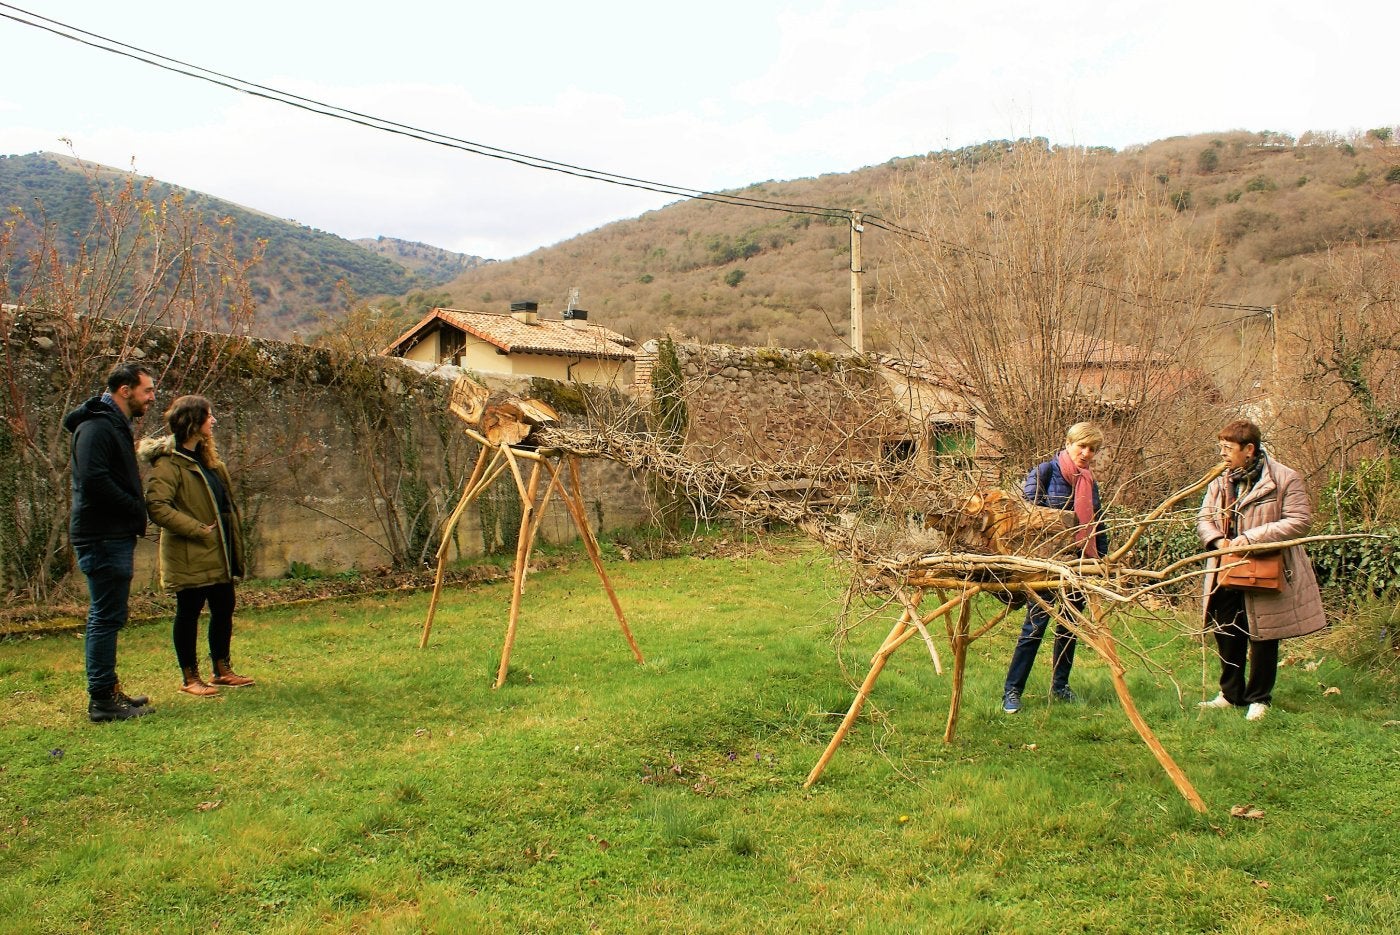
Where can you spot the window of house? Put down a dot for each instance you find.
(954, 439)
(450, 344)
(898, 450)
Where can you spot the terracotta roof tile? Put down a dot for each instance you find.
(545, 336)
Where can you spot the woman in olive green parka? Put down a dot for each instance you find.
(189, 495)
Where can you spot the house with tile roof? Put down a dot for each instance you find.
(1110, 376)
(520, 344)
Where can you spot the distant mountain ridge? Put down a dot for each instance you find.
(296, 283)
(433, 265)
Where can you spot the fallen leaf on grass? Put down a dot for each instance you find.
(207, 806)
(1312, 666)
(1027, 746)
(1262, 884)
(1334, 690)
(1246, 811)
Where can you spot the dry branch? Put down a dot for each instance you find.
(966, 541)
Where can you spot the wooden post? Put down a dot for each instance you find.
(522, 546)
(469, 493)
(1101, 641)
(958, 637)
(899, 628)
(897, 637)
(540, 510)
(574, 499)
(857, 294)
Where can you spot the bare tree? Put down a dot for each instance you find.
(1340, 352)
(148, 278)
(1058, 291)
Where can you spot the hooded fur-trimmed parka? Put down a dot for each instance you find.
(181, 503)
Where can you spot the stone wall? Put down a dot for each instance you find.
(338, 464)
(354, 463)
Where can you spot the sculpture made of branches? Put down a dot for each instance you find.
(971, 541)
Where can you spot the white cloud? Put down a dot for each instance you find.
(763, 91)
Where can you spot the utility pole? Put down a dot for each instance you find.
(857, 314)
(1276, 396)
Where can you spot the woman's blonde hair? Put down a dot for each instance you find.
(1088, 433)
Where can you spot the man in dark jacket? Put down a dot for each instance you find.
(109, 515)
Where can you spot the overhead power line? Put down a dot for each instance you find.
(311, 105)
(233, 83)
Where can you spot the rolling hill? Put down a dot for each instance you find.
(295, 285)
(718, 273)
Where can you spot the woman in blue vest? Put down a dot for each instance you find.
(1065, 482)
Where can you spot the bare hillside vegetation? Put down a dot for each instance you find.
(719, 273)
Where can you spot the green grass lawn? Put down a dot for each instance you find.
(365, 785)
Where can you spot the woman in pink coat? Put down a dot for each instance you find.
(1256, 500)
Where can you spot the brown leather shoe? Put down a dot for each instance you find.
(224, 675)
(194, 685)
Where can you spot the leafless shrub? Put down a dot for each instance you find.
(1058, 291)
(1344, 351)
(149, 279)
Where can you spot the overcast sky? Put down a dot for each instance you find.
(707, 95)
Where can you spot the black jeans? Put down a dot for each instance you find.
(1226, 612)
(188, 604)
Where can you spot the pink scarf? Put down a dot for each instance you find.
(1083, 483)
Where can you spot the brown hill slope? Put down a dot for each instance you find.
(738, 275)
(296, 283)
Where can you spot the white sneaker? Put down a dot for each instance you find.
(1256, 712)
(1217, 702)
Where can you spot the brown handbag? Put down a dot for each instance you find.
(1259, 571)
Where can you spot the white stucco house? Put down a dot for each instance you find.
(520, 344)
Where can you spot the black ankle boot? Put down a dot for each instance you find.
(112, 705)
(136, 701)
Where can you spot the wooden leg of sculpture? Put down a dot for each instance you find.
(574, 499)
(912, 605)
(957, 635)
(527, 516)
(468, 494)
(901, 625)
(897, 637)
(1101, 641)
(539, 512)
(961, 639)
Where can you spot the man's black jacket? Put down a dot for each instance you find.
(107, 499)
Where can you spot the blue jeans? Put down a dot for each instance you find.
(1023, 657)
(107, 564)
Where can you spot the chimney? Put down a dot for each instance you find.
(527, 313)
(576, 317)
